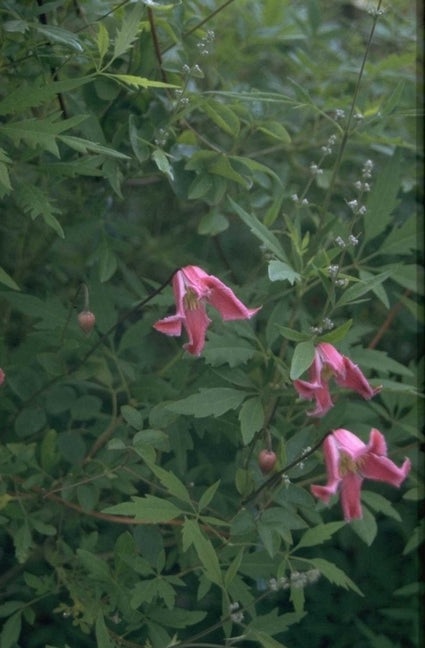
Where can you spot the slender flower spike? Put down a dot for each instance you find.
(193, 288)
(327, 363)
(349, 461)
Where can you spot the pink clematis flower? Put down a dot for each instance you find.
(2, 376)
(327, 363)
(193, 287)
(349, 461)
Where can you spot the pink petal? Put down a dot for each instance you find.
(2, 376)
(324, 492)
(353, 378)
(383, 469)
(225, 301)
(350, 496)
(333, 358)
(170, 325)
(331, 453)
(179, 289)
(349, 443)
(196, 279)
(377, 443)
(196, 324)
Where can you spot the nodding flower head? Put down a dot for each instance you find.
(193, 288)
(329, 363)
(349, 461)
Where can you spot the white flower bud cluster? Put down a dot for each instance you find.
(296, 579)
(327, 149)
(315, 169)
(204, 42)
(236, 615)
(333, 271)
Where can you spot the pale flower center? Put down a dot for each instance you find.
(348, 465)
(190, 300)
(327, 372)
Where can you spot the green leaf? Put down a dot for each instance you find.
(264, 639)
(276, 131)
(213, 222)
(22, 541)
(132, 416)
(96, 566)
(221, 166)
(279, 271)
(138, 81)
(11, 631)
(128, 31)
(7, 280)
(102, 41)
(251, 417)
(213, 401)
(302, 358)
(380, 504)
(319, 534)
(382, 199)
(361, 288)
(30, 421)
(176, 618)
(334, 574)
(227, 349)
(31, 97)
(103, 638)
(366, 528)
(208, 495)
(222, 116)
(402, 239)
(161, 161)
(291, 334)
(192, 534)
(149, 509)
(59, 35)
(171, 482)
(84, 146)
(260, 231)
(337, 334)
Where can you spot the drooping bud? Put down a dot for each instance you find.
(86, 321)
(266, 461)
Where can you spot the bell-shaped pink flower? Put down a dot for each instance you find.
(327, 363)
(193, 288)
(349, 461)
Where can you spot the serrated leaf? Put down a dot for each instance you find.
(30, 96)
(84, 146)
(334, 574)
(227, 349)
(302, 358)
(291, 334)
(260, 231)
(213, 401)
(319, 534)
(221, 166)
(251, 417)
(171, 482)
(128, 30)
(380, 504)
(138, 81)
(149, 509)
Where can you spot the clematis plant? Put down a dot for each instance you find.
(327, 363)
(349, 461)
(193, 288)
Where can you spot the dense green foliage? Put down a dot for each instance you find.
(273, 144)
